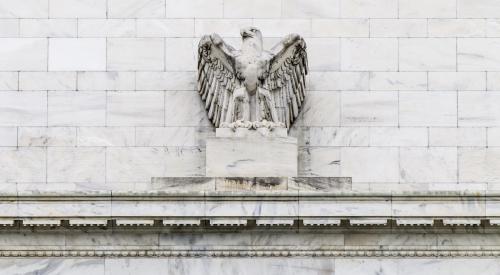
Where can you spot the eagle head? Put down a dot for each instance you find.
(250, 32)
(252, 40)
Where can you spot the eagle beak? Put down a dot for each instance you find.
(245, 34)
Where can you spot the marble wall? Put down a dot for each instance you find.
(101, 93)
(247, 266)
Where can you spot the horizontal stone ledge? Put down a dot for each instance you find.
(407, 208)
(251, 222)
(63, 195)
(227, 253)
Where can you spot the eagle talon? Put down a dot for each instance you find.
(238, 124)
(268, 124)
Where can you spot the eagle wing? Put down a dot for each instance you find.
(216, 76)
(286, 79)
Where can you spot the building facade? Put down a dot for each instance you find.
(103, 140)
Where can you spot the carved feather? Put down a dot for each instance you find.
(215, 76)
(286, 79)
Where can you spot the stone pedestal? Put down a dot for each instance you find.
(251, 153)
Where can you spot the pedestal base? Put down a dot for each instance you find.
(251, 154)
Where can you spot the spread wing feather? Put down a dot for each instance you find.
(286, 80)
(216, 77)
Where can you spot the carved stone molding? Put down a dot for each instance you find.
(276, 208)
(254, 253)
(250, 224)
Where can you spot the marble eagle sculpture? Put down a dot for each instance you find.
(252, 88)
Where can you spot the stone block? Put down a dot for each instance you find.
(9, 27)
(476, 109)
(311, 9)
(461, 81)
(47, 27)
(170, 81)
(369, 109)
(77, 54)
(427, 54)
(401, 136)
(77, 8)
(23, 54)
(191, 114)
(24, 9)
(319, 103)
(427, 9)
(340, 28)
(106, 81)
(136, 8)
(180, 54)
(251, 184)
(223, 27)
(165, 28)
(46, 136)
(77, 108)
(478, 54)
(428, 109)
(183, 183)
(457, 27)
(73, 164)
(338, 136)
(135, 109)
(493, 80)
(254, 9)
(320, 183)
(478, 8)
(402, 81)
(319, 161)
(8, 136)
(438, 164)
(282, 27)
(194, 8)
(106, 136)
(33, 81)
(9, 81)
(369, 54)
(129, 54)
(323, 54)
(171, 136)
(106, 28)
(369, 8)
(454, 136)
(23, 109)
(251, 155)
(348, 81)
(21, 164)
(398, 27)
(370, 164)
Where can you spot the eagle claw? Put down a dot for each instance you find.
(267, 124)
(253, 125)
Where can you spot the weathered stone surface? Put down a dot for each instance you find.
(98, 96)
(251, 157)
(251, 183)
(183, 183)
(320, 183)
(250, 133)
(187, 184)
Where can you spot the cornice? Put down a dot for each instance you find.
(242, 195)
(376, 253)
(283, 208)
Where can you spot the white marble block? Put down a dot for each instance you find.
(251, 153)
